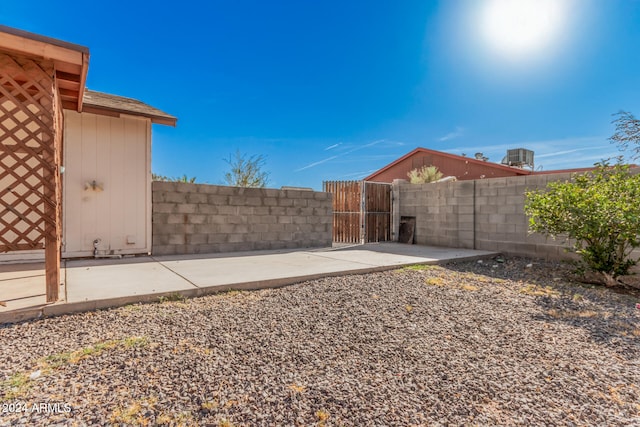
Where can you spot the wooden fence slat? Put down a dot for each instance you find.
(361, 210)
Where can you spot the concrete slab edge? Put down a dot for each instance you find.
(61, 309)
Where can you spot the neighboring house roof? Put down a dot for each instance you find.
(466, 160)
(71, 61)
(574, 170)
(101, 103)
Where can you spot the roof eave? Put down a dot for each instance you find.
(71, 61)
(157, 119)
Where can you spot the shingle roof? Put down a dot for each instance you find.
(118, 104)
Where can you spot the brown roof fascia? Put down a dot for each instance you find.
(115, 112)
(68, 58)
(574, 170)
(43, 39)
(451, 156)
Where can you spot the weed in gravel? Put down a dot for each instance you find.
(163, 419)
(434, 281)
(476, 277)
(322, 417)
(17, 385)
(132, 414)
(174, 297)
(20, 382)
(225, 423)
(297, 388)
(421, 267)
(539, 291)
(209, 405)
(576, 314)
(577, 297)
(409, 308)
(469, 287)
(178, 419)
(185, 344)
(230, 293)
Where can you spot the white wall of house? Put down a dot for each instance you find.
(106, 184)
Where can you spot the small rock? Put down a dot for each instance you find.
(528, 266)
(35, 374)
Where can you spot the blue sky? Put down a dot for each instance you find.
(335, 90)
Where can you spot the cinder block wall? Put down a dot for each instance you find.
(501, 224)
(200, 218)
(443, 211)
(482, 214)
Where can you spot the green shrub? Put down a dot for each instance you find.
(600, 210)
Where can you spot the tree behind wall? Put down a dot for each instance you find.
(246, 171)
(183, 178)
(627, 134)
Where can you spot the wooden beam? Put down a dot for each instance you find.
(67, 93)
(40, 49)
(83, 79)
(68, 105)
(21, 247)
(100, 111)
(71, 77)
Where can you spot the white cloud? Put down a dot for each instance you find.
(328, 159)
(561, 153)
(452, 135)
(310, 165)
(358, 175)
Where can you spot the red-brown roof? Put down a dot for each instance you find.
(513, 170)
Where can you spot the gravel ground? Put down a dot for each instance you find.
(470, 343)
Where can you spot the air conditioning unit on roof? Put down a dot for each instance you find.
(519, 157)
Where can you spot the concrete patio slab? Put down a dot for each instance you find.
(100, 279)
(22, 285)
(94, 284)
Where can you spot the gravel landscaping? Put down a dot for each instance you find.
(491, 343)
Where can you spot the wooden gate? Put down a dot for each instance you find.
(377, 212)
(361, 211)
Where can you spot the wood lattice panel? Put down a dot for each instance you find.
(30, 145)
